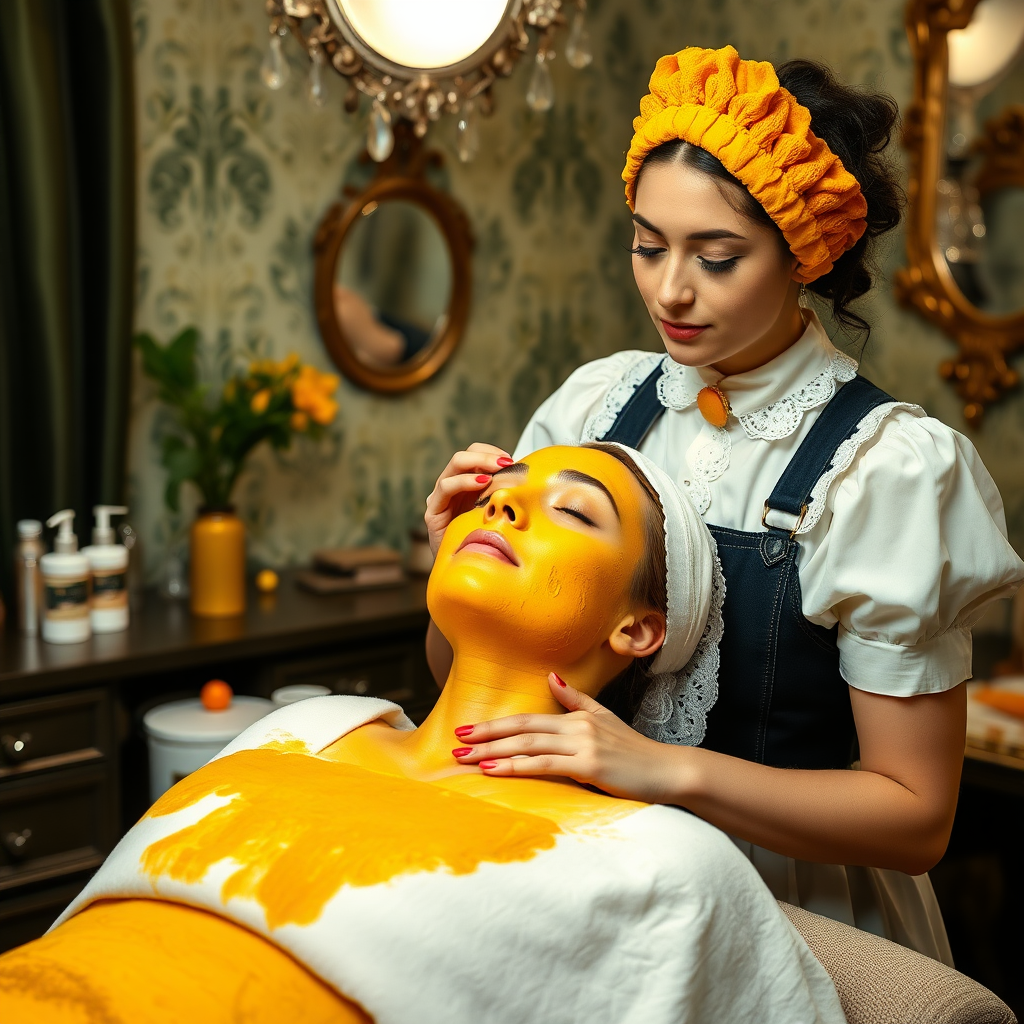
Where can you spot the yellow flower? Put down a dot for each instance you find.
(260, 401)
(311, 391)
(299, 421)
(324, 411)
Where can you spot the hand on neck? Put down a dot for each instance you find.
(482, 688)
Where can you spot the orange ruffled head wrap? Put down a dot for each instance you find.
(737, 111)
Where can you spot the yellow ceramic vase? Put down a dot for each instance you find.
(217, 572)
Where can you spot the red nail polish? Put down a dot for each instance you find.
(488, 764)
(482, 478)
(504, 461)
(463, 730)
(462, 751)
(558, 679)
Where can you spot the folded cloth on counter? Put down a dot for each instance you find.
(423, 902)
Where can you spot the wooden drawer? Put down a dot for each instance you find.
(54, 732)
(55, 825)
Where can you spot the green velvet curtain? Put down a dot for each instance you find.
(67, 241)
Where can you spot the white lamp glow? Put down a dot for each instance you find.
(417, 34)
(981, 51)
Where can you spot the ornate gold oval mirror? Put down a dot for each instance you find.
(965, 135)
(392, 277)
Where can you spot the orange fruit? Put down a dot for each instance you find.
(216, 695)
(266, 581)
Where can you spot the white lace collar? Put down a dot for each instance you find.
(770, 400)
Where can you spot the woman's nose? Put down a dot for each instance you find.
(505, 504)
(675, 289)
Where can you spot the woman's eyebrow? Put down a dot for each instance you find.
(714, 233)
(645, 223)
(574, 476)
(516, 469)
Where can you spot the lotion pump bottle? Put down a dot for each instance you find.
(108, 563)
(65, 585)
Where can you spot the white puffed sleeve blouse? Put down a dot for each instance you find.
(905, 541)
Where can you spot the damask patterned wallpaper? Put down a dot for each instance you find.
(233, 179)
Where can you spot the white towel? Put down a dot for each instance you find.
(653, 917)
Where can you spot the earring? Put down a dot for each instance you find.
(803, 295)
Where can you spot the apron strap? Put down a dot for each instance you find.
(639, 414)
(837, 421)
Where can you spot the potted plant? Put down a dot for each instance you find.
(211, 436)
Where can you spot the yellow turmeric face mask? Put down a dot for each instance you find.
(542, 566)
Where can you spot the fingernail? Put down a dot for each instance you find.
(504, 461)
(463, 730)
(462, 751)
(488, 764)
(558, 679)
(482, 478)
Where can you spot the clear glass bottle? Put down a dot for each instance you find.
(28, 580)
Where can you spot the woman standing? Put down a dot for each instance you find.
(860, 539)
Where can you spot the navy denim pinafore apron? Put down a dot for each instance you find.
(781, 699)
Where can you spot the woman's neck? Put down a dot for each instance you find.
(480, 690)
(783, 334)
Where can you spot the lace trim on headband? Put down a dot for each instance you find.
(618, 395)
(781, 418)
(845, 454)
(676, 705)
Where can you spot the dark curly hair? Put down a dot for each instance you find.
(857, 126)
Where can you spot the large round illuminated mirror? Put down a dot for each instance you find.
(412, 35)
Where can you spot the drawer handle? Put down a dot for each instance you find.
(16, 748)
(16, 842)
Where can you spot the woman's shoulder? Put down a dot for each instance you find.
(898, 449)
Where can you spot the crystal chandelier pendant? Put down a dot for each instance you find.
(316, 87)
(577, 49)
(540, 95)
(380, 139)
(274, 69)
(468, 142)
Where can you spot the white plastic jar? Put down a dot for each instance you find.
(183, 735)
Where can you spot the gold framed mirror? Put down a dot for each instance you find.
(392, 278)
(966, 201)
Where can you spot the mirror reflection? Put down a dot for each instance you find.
(392, 283)
(980, 216)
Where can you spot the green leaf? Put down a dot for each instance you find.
(181, 359)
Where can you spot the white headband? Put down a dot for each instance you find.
(684, 674)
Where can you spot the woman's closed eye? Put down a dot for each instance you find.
(717, 266)
(647, 251)
(576, 514)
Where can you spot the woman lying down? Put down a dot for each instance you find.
(334, 863)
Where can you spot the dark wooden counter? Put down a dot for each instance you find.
(163, 636)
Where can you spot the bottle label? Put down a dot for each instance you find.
(68, 600)
(109, 588)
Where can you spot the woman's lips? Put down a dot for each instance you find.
(489, 542)
(683, 332)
